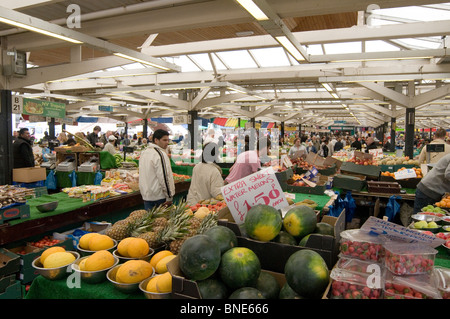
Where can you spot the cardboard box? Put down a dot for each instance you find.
(183, 288)
(26, 254)
(370, 171)
(14, 212)
(352, 182)
(284, 175)
(29, 174)
(10, 288)
(319, 189)
(9, 263)
(273, 256)
(404, 183)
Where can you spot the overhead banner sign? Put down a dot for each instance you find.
(21, 105)
(261, 187)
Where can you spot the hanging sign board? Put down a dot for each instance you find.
(43, 108)
(17, 104)
(261, 187)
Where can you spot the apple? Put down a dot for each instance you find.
(421, 224)
(432, 225)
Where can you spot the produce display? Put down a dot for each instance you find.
(180, 178)
(409, 259)
(444, 202)
(235, 272)
(358, 244)
(162, 226)
(44, 242)
(393, 160)
(417, 170)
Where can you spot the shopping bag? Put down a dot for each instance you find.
(350, 206)
(51, 180)
(73, 178)
(98, 178)
(392, 207)
(337, 207)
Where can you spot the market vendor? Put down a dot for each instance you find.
(206, 179)
(109, 147)
(155, 173)
(434, 185)
(248, 162)
(439, 138)
(298, 146)
(22, 150)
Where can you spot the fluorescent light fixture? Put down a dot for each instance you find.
(238, 90)
(253, 9)
(140, 61)
(327, 87)
(287, 44)
(334, 95)
(34, 29)
(384, 59)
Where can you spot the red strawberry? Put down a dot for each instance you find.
(366, 291)
(356, 294)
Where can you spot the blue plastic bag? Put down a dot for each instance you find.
(337, 207)
(98, 178)
(51, 180)
(73, 178)
(350, 206)
(392, 207)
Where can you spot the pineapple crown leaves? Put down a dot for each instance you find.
(209, 221)
(144, 223)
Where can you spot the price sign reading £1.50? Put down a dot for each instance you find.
(261, 187)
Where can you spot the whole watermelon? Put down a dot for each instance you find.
(263, 222)
(246, 293)
(199, 257)
(240, 267)
(223, 236)
(268, 285)
(307, 273)
(212, 289)
(300, 221)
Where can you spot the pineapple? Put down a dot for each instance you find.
(119, 230)
(196, 226)
(150, 237)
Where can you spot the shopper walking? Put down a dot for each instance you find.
(207, 178)
(22, 150)
(433, 185)
(155, 173)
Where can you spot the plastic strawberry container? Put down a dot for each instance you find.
(409, 258)
(441, 278)
(409, 287)
(359, 244)
(351, 284)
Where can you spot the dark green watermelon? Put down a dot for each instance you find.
(246, 293)
(212, 289)
(307, 273)
(324, 229)
(263, 222)
(304, 240)
(286, 292)
(240, 267)
(268, 285)
(285, 238)
(223, 236)
(199, 257)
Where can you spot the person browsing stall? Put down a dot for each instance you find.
(155, 173)
(433, 185)
(207, 178)
(22, 150)
(248, 162)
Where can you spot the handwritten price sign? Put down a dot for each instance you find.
(261, 187)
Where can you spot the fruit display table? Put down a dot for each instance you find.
(42, 288)
(71, 211)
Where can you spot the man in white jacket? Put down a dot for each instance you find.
(155, 173)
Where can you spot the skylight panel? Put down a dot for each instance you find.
(271, 57)
(239, 59)
(345, 47)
